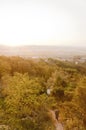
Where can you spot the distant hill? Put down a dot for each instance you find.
(43, 51)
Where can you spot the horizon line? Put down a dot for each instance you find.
(44, 45)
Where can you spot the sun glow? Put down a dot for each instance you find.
(34, 25)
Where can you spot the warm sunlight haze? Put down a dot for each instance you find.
(47, 22)
(42, 64)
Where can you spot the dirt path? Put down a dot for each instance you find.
(58, 125)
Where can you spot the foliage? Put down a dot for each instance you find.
(24, 102)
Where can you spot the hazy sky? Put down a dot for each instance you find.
(43, 22)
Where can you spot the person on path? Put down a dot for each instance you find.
(55, 117)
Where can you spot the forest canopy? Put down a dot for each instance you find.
(24, 101)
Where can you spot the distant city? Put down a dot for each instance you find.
(64, 53)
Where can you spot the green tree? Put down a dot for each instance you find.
(24, 102)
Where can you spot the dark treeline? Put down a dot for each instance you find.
(25, 102)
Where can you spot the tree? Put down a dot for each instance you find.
(24, 102)
(81, 98)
